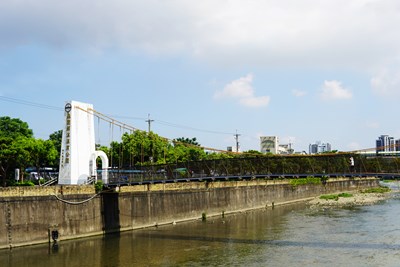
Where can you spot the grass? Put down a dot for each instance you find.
(335, 196)
(345, 195)
(376, 190)
(304, 181)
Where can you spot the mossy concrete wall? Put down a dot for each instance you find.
(28, 215)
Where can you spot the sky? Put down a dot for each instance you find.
(302, 70)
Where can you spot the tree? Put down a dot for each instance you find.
(8, 156)
(56, 138)
(42, 153)
(188, 141)
(186, 149)
(14, 128)
(143, 148)
(13, 136)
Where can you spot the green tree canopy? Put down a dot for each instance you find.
(56, 138)
(19, 149)
(13, 128)
(192, 141)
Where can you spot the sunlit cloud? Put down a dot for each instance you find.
(298, 93)
(386, 83)
(333, 90)
(243, 91)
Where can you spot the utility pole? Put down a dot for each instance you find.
(237, 141)
(149, 121)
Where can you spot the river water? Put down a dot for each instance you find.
(292, 235)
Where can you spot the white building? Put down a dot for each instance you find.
(270, 144)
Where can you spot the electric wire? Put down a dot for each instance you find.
(29, 103)
(128, 127)
(110, 118)
(190, 128)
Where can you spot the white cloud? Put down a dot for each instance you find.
(255, 102)
(264, 33)
(298, 93)
(386, 83)
(333, 90)
(286, 32)
(242, 89)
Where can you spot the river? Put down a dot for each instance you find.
(291, 235)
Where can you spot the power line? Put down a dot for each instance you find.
(29, 103)
(170, 124)
(109, 118)
(128, 127)
(190, 128)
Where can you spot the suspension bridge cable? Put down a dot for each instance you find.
(108, 118)
(128, 127)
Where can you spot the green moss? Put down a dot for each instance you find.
(305, 181)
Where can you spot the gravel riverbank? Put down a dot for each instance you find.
(356, 199)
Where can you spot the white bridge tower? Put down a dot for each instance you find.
(78, 154)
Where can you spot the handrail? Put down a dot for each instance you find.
(50, 182)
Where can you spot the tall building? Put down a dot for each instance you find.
(319, 147)
(386, 143)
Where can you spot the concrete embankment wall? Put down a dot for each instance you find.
(29, 215)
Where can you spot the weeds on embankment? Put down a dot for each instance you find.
(335, 196)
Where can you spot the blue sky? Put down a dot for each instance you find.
(302, 70)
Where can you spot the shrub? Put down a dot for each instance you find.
(25, 183)
(98, 186)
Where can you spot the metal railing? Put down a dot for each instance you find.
(265, 167)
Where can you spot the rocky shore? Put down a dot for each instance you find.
(356, 199)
